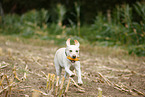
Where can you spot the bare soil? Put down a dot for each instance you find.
(113, 63)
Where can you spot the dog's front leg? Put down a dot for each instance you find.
(67, 70)
(80, 82)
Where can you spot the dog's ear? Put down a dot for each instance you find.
(77, 43)
(68, 42)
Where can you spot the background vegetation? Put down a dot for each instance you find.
(114, 23)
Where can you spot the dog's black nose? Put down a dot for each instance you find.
(74, 56)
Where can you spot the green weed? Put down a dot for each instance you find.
(118, 27)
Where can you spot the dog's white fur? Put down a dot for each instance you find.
(61, 61)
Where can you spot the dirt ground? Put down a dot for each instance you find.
(125, 73)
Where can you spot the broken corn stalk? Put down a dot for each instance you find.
(76, 84)
(2, 80)
(9, 50)
(25, 74)
(47, 81)
(44, 74)
(50, 81)
(53, 78)
(1, 51)
(66, 90)
(10, 88)
(15, 74)
(39, 92)
(61, 86)
(6, 87)
(99, 92)
(56, 89)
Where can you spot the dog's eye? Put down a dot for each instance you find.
(77, 51)
(70, 50)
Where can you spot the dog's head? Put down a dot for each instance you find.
(72, 51)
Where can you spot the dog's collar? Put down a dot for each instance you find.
(65, 53)
(72, 59)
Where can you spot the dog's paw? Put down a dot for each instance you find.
(80, 84)
(72, 75)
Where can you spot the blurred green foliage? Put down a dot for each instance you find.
(117, 28)
(89, 9)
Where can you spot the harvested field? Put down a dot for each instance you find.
(25, 65)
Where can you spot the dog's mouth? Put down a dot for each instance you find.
(72, 59)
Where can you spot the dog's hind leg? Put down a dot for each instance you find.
(58, 72)
(65, 75)
(58, 69)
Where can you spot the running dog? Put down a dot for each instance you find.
(68, 58)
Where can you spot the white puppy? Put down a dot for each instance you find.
(67, 58)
